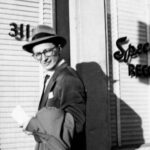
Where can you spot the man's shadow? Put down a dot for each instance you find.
(101, 131)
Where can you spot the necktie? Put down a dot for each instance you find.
(44, 86)
(45, 81)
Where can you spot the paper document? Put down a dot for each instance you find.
(19, 115)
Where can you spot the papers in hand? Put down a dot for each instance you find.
(19, 115)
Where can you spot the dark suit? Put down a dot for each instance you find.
(68, 96)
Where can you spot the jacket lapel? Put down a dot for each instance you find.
(51, 84)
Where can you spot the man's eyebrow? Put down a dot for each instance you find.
(49, 48)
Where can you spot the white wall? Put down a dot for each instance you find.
(87, 32)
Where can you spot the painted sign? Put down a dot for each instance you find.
(19, 32)
(131, 52)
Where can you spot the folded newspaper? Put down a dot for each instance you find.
(20, 116)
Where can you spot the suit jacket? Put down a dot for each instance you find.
(68, 95)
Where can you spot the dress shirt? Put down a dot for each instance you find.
(51, 72)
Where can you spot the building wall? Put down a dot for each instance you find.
(19, 72)
(117, 105)
(89, 57)
(129, 96)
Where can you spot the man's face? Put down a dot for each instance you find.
(47, 54)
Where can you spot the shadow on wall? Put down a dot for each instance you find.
(101, 113)
(97, 106)
(126, 129)
(142, 39)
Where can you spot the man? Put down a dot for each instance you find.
(61, 111)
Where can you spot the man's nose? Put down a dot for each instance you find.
(44, 58)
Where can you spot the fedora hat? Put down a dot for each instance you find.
(42, 34)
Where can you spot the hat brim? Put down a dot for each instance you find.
(57, 40)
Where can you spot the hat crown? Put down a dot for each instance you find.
(44, 33)
(42, 30)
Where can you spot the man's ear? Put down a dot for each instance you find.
(60, 48)
(57, 51)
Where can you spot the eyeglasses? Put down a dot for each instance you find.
(47, 52)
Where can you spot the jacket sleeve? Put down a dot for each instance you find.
(72, 100)
(34, 125)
